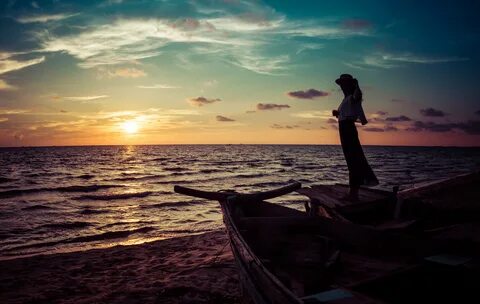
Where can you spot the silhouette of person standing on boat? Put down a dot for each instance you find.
(350, 111)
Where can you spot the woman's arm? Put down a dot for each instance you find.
(357, 93)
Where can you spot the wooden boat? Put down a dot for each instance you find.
(429, 206)
(285, 255)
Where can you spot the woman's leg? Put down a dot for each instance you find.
(350, 146)
(359, 170)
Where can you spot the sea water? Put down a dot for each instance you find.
(61, 199)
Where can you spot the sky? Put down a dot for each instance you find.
(236, 71)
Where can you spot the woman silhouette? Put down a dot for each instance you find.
(350, 111)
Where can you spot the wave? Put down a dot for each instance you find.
(211, 170)
(308, 167)
(5, 180)
(43, 174)
(189, 231)
(176, 169)
(174, 204)
(37, 207)
(175, 182)
(265, 184)
(214, 211)
(67, 225)
(126, 223)
(85, 239)
(86, 176)
(192, 181)
(88, 188)
(255, 175)
(88, 211)
(198, 223)
(159, 159)
(139, 178)
(114, 196)
(181, 173)
(185, 221)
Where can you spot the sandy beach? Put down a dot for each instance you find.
(192, 269)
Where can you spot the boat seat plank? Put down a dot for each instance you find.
(397, 225)
(331, 195)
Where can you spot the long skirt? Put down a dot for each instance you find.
(359, 170)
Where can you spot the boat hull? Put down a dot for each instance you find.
(258, 284)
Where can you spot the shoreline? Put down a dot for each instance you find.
(198, 268)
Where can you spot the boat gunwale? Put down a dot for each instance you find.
(232, 228)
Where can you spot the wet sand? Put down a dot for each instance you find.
(193, 269)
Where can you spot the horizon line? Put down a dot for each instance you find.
(237, 144)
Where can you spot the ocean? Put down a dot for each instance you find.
(64, 199)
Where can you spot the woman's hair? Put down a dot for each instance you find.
(353, 89)
(358, 94)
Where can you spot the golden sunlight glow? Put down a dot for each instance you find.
(130, 127)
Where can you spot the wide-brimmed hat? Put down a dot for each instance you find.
(344, 78)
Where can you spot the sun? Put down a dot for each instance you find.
(130, 127)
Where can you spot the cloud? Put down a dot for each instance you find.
(45, 124)
(260, 64)
(411, 58)
(398, 118)
(471, 127)
(278, 126)
(13, 111)
(308, 47)
(373, 129)
(376, 62)
(397, 100)
(308, 94)
(5, 86)
(210, 83)
(43, 18)
(125, 40)
(386, 128)
(431, 112)
(376, 118)
(389, 128)
(432, 126)
(83, 98)
(241, 33)
(357, 66)
(201, 101)
(314, 114)
(223, 118)
(390, 60)
(271, 106)
(158, 86)
(314, 29)
(9, 65)
(478, 112)
(121, 72)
